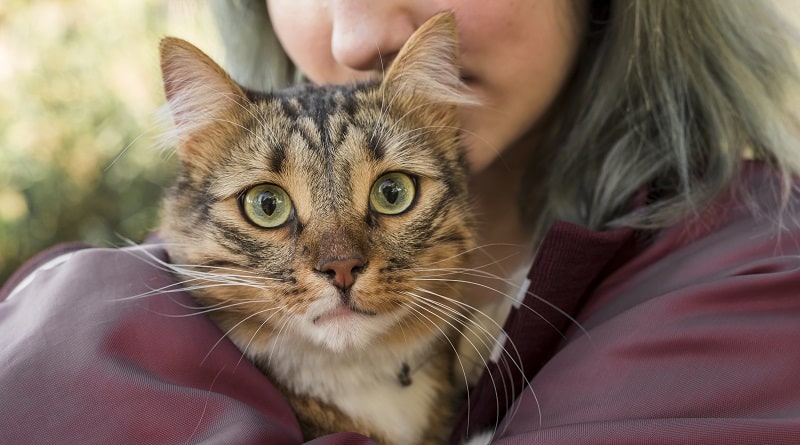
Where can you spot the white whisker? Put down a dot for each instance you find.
(255, 333)
(466, 324)
(227, 333)
(416, 309)
(522, 305)
(515, 359)
(279, 338)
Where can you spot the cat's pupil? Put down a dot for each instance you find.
(268, 203)
(390, 191)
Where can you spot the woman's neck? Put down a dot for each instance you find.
(504, 240)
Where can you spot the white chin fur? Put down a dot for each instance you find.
(340, 333)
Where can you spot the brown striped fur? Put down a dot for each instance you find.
(326, 146)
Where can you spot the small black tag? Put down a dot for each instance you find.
(403, 376)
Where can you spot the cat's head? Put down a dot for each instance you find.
(336, 214)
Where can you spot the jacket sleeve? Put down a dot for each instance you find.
(690, 343)
(100, 346)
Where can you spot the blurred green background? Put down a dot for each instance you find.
(79, 88)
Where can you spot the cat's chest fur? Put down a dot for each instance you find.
(371, 388)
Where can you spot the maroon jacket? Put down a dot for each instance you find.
(689, 335)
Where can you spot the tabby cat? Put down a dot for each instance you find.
(318, 219)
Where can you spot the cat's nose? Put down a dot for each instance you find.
(342, 272)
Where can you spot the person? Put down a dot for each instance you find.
(639, 158)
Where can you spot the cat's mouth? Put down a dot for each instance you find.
(341, 312)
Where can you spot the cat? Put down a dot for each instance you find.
(321, 221)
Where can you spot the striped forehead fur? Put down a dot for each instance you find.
(333, 132)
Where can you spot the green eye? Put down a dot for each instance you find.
(392, 193)
(267, 205)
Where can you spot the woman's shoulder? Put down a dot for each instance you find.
(751, 232)
(696, 332)
(44, 260)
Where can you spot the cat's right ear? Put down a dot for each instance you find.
(202, 99)
(428, 64)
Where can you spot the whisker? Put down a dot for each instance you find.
(124, 151)
(217, 307)
(521, 304)
(197, 279)
(417, 311)
(252, 337)
(227, 333)
(280, 337)
(466, 324)
(517, 362)
(473, 249)
(509, 392)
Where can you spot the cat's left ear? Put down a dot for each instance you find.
(202, 99)
(428, 64)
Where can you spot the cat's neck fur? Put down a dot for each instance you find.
(378, 373)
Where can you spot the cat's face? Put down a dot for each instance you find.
(334, 214)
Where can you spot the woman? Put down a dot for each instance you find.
(652, 128)
(644, 150)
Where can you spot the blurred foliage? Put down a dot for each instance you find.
(79, 87)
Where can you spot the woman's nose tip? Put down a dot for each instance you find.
(369, 40)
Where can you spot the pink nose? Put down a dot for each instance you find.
(342, 273)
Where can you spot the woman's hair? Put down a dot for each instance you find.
(667, 97)
(254, 56)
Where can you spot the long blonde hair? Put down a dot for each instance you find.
(669, 95)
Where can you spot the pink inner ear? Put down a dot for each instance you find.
(194, 84)
(200, 94)
(428, 63)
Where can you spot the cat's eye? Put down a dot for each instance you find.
(392, 193)
(267, 205)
